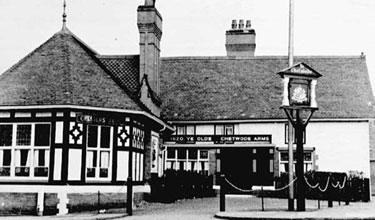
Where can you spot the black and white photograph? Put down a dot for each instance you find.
(187, 109)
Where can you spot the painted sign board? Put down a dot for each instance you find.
(219, 139)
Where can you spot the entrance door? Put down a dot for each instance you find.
(245, 167)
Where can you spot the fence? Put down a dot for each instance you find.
(328, 186)
(176, 185)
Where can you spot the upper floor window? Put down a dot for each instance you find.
(24, 150)
(185, 130)
(227, 129)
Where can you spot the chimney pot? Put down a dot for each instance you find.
(234, 24)
(248, 24)
(241, 24)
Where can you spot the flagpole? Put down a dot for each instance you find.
(290, 125)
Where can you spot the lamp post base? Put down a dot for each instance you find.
(290, 204)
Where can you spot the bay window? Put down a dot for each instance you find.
(24, 150)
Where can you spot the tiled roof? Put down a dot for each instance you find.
(211, 88)
(63, 71)
(125, 69)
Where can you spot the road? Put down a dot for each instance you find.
(206, 208)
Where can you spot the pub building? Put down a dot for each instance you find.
(74, 123)
(227, 117)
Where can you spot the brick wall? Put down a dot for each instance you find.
(26, 203)
(50, 204)
(18, 203)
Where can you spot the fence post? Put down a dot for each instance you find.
(330, 202)
(98, 202)
(366, 190)
(222, 192)
(129, 198)
(262, 196)
(347, 190)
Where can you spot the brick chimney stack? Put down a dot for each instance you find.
(149, 23)
(240, 40)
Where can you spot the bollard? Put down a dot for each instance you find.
(222, 193)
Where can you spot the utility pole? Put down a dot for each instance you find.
(290, 125)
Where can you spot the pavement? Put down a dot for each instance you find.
(356, 210)
(237, 207)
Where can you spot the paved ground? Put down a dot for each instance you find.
(237, 207)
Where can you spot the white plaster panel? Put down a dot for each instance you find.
(277, 130)
(205, 129)
(122, 165)
(59, 132)
(74, 164)
(340, 146)
(57, 164)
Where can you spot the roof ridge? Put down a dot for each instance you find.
(263, 57)
(100, 56)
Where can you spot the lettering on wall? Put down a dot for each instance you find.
(219, 139)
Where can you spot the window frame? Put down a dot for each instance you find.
(32, 148)
(225, 128)
(98, 150)
(306, 163)
(175, 161)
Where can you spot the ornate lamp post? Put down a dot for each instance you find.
(299, 95)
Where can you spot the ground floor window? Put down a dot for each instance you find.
(24, 149)
(308, 162)
(196, 160)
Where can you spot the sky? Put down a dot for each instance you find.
(193, 27)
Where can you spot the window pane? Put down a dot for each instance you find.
(307, 156)
(23, 135)
(7, 157)
(203, 154)
(90, 172)
(181, 130)
(92, 136)
(42, 134)
(181, 154)
(39, 158)
(229, 129)
(284, 156)
(22, 157)
(104, 159)
(219, 130)
(193, 154)
(171, 153)
(41, 171)
(91, 159)
(22, 171)
(190, 130)
(103, 172)
(6, 135)
(105, 137)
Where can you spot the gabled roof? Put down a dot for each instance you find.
(212, 88)
(63, 70)
(124, 68)
(300, 69)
